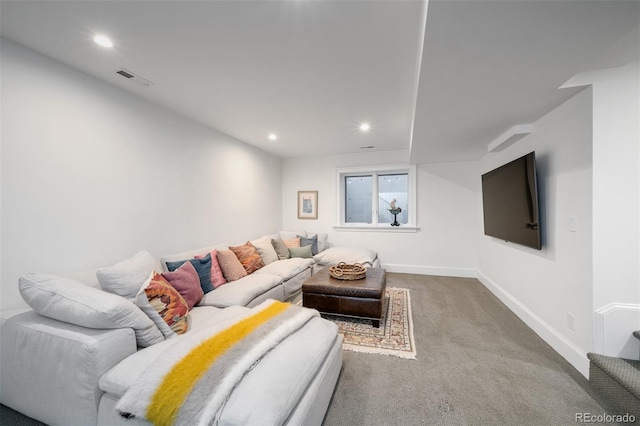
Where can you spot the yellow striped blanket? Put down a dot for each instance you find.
(191, 382)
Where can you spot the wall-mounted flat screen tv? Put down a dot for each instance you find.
(510, 202)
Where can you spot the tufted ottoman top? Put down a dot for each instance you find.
(370, 287)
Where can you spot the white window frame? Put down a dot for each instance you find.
(375, 171)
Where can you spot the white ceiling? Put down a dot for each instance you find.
(490, 65)
(312, 70)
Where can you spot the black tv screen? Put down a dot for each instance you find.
(510, 202)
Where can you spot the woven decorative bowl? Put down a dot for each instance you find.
(343, 271)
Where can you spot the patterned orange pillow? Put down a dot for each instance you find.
(169, 304)
(248, 256)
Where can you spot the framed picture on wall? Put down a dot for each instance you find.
(307, 204)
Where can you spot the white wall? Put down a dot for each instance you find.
(616, 208)
(545, 287)
(91, 175)
(448, 202)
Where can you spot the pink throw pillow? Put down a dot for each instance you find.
(217, 278)
(185, 279)
(230, 265)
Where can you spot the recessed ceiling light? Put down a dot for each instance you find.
(272, 136)
(103, 41)
(365, 127)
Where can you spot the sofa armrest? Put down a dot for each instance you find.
(50, 369)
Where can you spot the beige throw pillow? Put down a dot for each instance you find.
(231, 267)
(265, 249)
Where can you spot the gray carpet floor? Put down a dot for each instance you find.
(477, 364)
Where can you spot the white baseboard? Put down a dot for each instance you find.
(569, 351)
(430, 270)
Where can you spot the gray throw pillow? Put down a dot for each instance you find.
(281, 248)
(312, 241)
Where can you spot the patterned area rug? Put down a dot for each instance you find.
(395, 338)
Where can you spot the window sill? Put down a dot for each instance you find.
(377, 228)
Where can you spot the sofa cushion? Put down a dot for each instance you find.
(117, 380)
(304, 252)
(70, 301)
(265, 249)
(287, 268)
(125, 278)
(164, 304)
(272, 388)
(310, 241)
(248, 256)
(346, 254)
(241, 291)
(281, 248)
(202, 266)
(299, 361)
(231, 267)
(203, 317)
(185, 279)
(217, 278)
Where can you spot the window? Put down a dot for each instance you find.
(357, 191)
(393, 192)
(367, 196)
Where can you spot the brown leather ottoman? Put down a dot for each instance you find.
(355, 298)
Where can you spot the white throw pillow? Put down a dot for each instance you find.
(349, 255)
(70, 301)
(125, 278)
(265, 249)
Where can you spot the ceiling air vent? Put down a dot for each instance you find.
(134, 77)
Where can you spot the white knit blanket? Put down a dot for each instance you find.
(190, 383)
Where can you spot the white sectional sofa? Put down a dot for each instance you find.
(70, 359)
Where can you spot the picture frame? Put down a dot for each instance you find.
(307, 204)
